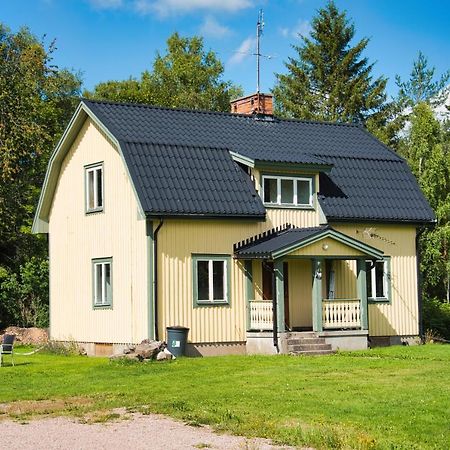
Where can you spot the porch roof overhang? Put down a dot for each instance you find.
(320, 242)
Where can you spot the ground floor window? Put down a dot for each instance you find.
(102, 282)
(211, 279)
(378, 280)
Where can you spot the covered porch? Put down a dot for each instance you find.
(306, 280)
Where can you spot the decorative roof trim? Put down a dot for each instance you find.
(318, 235)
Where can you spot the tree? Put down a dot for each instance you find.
(422, 85)
(329, 79)
(186, 76)
(36, 101)
(429, 158)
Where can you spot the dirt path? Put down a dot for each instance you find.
(136, 433)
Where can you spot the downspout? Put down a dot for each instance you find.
(275, 310)
(155, 275)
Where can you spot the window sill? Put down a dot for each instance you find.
(206, 303)
(109, 306)
(93, 211)
(283, 206)
(378, 300)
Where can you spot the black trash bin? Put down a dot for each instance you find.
(176, 340)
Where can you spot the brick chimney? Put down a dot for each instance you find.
(259, 104)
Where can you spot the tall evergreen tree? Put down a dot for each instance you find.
(422, 85)
(186, 76)
(330, 79)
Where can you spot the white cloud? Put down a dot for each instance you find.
(166, 8)
(301, 28)
(243, 51)
(211, 27)
(106, 4)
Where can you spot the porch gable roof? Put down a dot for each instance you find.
(281, 242)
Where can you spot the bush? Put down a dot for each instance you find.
(24, 295)
(436, 317)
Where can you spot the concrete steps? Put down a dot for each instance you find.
(307, 344)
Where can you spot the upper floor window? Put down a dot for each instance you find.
(287, 191)
(94, 188)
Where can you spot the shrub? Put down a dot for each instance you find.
(436, 317)
(24, 294)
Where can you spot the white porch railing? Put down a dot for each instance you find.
(341, 313)
(261, 314)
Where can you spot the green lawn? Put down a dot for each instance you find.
(395, 397)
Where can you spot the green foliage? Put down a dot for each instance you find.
(330, 79)
(436, 317)
(422, 86)
(24, 295)
(428, 154)
(299, 401)
(186, 76)
(36, 101)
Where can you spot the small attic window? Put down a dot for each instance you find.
(94, 187)
(288, 191)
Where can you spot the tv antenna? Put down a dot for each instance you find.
(259, 32)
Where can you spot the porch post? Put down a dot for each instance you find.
(362, 292)
(317, 272)
(279, 293)
(248, 270)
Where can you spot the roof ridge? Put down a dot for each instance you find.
(220, 113)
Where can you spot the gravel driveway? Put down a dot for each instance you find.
(136, 432)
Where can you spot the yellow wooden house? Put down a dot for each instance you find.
(259, 234)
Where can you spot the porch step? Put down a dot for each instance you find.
(313, 352)
(309, 347)
(307, 344)
(309, 340)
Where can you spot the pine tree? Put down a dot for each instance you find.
(330, 80)
(422, 85)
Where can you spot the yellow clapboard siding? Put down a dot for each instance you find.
(76, 238)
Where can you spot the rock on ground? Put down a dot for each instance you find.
(139, 432)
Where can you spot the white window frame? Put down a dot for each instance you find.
(386, 276)
(210, 261)
(294, 181)
(104, 301)
(94, 168)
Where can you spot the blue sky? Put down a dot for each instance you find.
(113, 39)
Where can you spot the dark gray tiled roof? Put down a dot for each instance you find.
(187, 180)
(266, 245)
(373, 190)
(368, 181)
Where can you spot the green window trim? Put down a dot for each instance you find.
(107, 295)
(226, 259)
(92, 168)
(387, 283)
(279, 177)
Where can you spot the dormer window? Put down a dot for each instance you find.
(287, 191)
(94, 188)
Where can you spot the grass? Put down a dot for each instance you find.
(395, 397)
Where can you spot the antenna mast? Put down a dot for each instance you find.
(259, 32)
